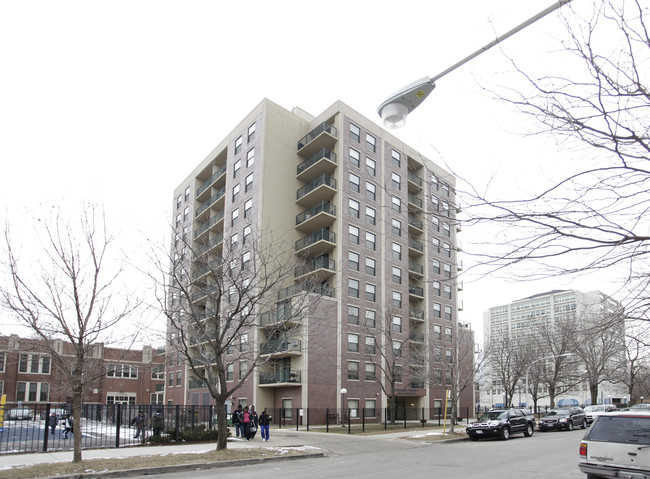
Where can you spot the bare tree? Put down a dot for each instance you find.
(637, 362)
(68, 291)
(236, 303)
(507, 362)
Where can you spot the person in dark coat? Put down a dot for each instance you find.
(53, 422)
(265, 421)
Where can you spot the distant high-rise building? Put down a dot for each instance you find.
(369, 218)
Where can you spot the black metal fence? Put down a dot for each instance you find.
(29, 428)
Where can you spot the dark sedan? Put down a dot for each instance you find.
(566, 418)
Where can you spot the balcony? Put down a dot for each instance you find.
(317, 217)
(416, 314)
(416, 360)
(415, 247)
(415, 201)
(460, 286)
(214, 221)
(282, 347)
(316, 243)
(212, 243)
(321, 162)
(414, 182)
(282, 377)
(315, 288)
(321, 188)
(207, 269)
(416, 269)
(416, 337)
(459, 265)
(321, 268)
(212, 201)
(278, 317)
(323, 136)
(416, 291)
(203, 191)
(415, 225)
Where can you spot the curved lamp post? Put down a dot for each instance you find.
(395, 109)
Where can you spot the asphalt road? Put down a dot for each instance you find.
(549, 454)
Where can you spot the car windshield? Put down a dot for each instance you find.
(594, 408)
(622, 429)
(558, 412)
(640, 406)
(492, 415)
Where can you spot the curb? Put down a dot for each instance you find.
(183, 467)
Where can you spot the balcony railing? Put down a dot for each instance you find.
(210, 180)
(416, 245)
(278, 316)
(321, 180)
(316, 236)
(322, 207)
(416, 268)
(414, 178)
(322, 128)
(416, 200)
(208, 224)
(281, 346)
(416, 313)
(195, 383)
(416, 290)
(210, 244)
(282, 376)
(316, 288)
(415, 222)
(318, 263)
(210, 201)
(416, 336)
(316, 157)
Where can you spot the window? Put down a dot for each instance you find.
(436, 266)
(398, 374)
(353, 234)
(370, 142)
(250, 158)
(187, 193)
(437, 332)
(31, 363)
(370, 318)
(370, 346)
(445, 208)
(353, 343)
(246, 259)
(396, 158)
(371, 191)
(32, 392)
(186, 213)
(353, 315)
(2, 362)
(353, 407)
(236, 168)
(235, 192)
(353, 370)
(446, 230)
(371, 166)
(249, 183)
(397, 251)
(371, 240)
(179, 378)
(437, 354)
(353, 208)
(243, 369)
(248, 206)
(397, 299)
(447, 289)
(233, 241)
(447, 249)
(435, 224)
(434, 182)
(355, 132)
(128, 371)
(445, 188)
(371, 408)
(396, 227)
(371, 265)
(397, 349)
(436, 288)
(243, 343)
(355, 157)
(396, 203)
(448, 377)
(355, 181)
(370, 371)
(435, 203)
(353, 288)
(397, 275)
(448, 313)
(178, 219)
(447, 334)
(287, 410)
(171, 379)
(230, 372)
(158, 372)
(397, 324)
(449, 355)
(251, 133)
(437, 311)
(234, 216)
(178, 201)
(247, 234)
(437, 377)
(238, 143)
(353, 260)
(370, 215)
(396, 181)
(435, 245)
(371, 292)
(447, 269)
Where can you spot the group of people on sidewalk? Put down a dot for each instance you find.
(246, 422)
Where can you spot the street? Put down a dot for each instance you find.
(549, 454)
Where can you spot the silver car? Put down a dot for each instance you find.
(593, 412)
(617, 445)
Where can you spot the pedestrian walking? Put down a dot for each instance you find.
(158, 423)
(246, 419)
(53, 422)
(254, 422)
(140, 423)
(265, 421)
(69, 426)
(237, 421)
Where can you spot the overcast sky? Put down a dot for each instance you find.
(116, 102)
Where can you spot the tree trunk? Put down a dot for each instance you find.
(593, 389)
(76, 416)
(222, 424)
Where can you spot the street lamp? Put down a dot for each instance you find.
(536, 361)
(395, 109)
(343, 393)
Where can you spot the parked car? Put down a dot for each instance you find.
(617, 446)
(564, 418)
(502, 423)
(20, 414)
(593, 412)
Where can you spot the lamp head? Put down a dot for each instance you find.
(393, 111)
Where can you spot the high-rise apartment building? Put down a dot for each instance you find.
(370, 219)
(522, 324)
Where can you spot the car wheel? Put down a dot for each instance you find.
(542, 429)
(504, 435)
(569, 426)
(473, 438)
(529, 431)
(584, 424)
